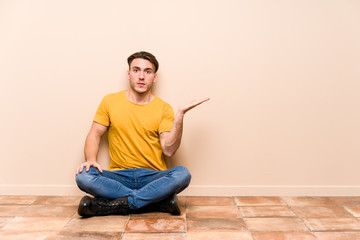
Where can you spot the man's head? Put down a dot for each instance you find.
(144, 55)
(142, 72)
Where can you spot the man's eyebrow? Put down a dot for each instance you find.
(136, 67)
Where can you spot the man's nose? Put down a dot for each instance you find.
(141, 75)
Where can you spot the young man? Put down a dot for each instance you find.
(141, 130)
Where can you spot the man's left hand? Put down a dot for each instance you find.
(183, 109)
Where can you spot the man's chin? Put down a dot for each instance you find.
(142, 91)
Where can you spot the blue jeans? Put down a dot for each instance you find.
(142, 186)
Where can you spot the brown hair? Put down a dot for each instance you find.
(144, 55)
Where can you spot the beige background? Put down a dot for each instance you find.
(283, 77)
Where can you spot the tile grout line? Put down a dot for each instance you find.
(344, 207)
(7, 222)
(236, 201)
(302, 220)
(13, 217)
(123, 232)
(60, 230)
(186, 230)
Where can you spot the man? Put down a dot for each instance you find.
(141, 130)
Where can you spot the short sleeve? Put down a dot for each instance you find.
(167, 119)
(102, 113)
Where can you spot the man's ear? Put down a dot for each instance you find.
(155, 77)
(128, 73)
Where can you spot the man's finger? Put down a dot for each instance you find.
(193, 104)
(205, 99)
(98, 167)
(80, 169)
(201, 101)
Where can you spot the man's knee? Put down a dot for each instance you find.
(184, 174)
(85, 179)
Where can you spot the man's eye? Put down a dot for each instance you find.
(135, 70)
(148, 72)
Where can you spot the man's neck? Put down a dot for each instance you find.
(140, 99)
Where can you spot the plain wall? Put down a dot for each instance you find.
(283, 77)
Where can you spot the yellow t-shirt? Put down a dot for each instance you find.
(134, 131)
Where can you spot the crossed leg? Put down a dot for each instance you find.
(141, 186)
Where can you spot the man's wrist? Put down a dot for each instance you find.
(90, 160)
(180, 113)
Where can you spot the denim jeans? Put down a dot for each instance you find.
(142, 186)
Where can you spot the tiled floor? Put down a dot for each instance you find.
(248, 218)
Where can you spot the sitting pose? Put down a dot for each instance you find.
(141, 130)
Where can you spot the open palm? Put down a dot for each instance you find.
(192, 104)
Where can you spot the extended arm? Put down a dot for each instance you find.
(92, 147)
(170, 141)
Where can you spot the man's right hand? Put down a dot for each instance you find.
(88, 165)
(92, 147)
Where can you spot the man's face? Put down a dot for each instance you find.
(141, 75)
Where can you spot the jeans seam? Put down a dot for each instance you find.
(135, 180)
(110, 176)
(161, 173)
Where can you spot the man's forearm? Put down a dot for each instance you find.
(173, 140)
(91, 148)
